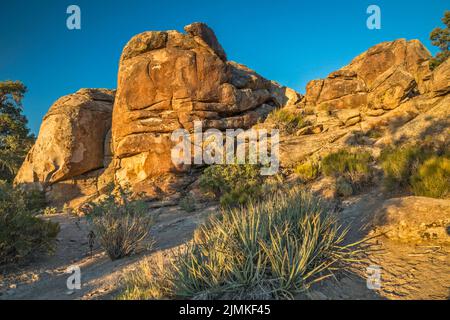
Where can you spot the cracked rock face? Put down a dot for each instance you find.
(380, 78)
(168, 80)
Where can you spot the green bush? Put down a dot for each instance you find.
(354, 167)
(188, 203)
(22, 234)
(271, 249)
(308, 171)
(432, 179)
(120, 223)
(33, 199)
(232, 184)
(287, 121)
(399, 164)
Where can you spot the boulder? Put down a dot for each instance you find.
(72, 143)
(440, 79)
(414, 220)
(168, 80)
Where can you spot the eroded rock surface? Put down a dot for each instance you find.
(168, 80)
(72, 150)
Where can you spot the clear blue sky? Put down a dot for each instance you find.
(291, 42)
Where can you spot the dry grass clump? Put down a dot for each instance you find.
(120, 223)
(432, 178)
(287, 121)
(352, 170)
(273, 249)
(308, 170)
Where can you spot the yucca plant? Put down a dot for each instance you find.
(272, 249)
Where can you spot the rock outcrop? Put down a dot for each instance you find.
(168, 80)
(389, 90)
(380, 78)
(414, 220)
(72, 151)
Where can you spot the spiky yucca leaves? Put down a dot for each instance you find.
(268, 250)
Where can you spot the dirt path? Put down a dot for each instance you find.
(405, 271)
(47, 278)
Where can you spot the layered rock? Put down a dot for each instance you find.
(168, 80)
(375, 81)
(72, 150)
(388, 89)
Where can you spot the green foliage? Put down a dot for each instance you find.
(441, 39)
(423, 169)
(354, 167)
(22, 234)
(399, 164)
(15, 137)
(232, 184)
(308, 171)
(120, 222)
(287, 121)
(271, 249)
(188, 203)
(432, 178)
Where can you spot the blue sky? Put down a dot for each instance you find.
(291, 42)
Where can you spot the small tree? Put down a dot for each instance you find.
(441, 38)
(15, 137)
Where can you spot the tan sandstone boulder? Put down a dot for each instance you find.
(168, 80)
(440, 79)
(72, 144)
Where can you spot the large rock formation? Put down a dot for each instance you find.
(166, 81)
(388, 89)
(380, 78)
(72, 151)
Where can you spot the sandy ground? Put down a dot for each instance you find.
(406, 272)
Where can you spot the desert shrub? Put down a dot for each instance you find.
(354, 167)
(120, 223)
(287, 121)
(232, 184)
(33, 199)
(432, 178)
(22, 234)
(399, 164)
(187, 203)
(269, 249)
(308, 170)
